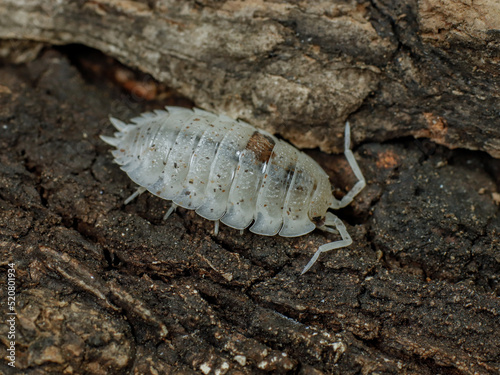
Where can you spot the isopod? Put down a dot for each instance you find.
(232, 172)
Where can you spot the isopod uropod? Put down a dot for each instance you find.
(232, 172)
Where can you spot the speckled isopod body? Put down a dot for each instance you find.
(232, 172)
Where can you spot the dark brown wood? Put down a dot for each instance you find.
(104, 288)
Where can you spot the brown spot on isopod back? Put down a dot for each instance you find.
(261, 145)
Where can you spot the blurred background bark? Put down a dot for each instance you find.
(425, 68)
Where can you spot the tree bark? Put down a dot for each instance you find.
(426, 68)
(103, 288)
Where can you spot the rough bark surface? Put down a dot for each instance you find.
(428, 68)
(104, 288)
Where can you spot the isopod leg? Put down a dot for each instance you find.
(328, 229)
(170, 210)
(331, 220)
(216, 227)
(138, 192)
(355, 168)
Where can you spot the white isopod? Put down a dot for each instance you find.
(229, 171)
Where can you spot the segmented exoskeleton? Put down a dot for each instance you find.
(232, 172)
